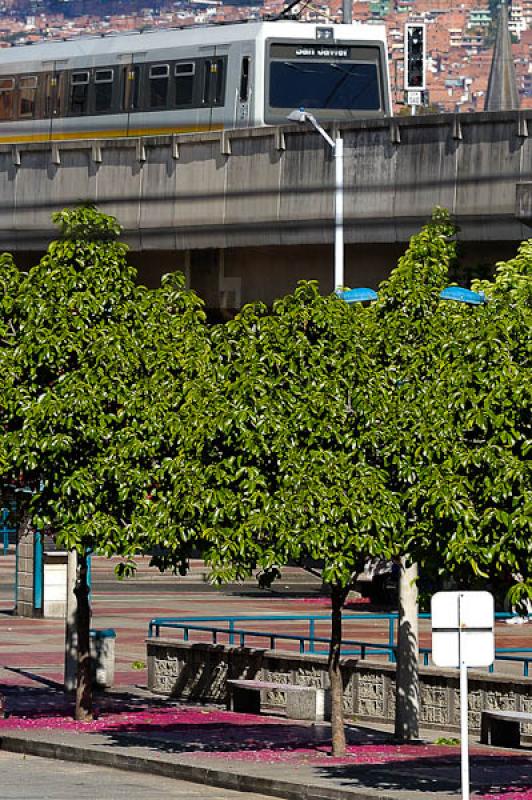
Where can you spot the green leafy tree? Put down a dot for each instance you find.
(484, 386)
(89, 348)
(406, 338)
(286, 474)
(452, 390)
(10, 280)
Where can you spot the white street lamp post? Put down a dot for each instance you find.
(337, 147)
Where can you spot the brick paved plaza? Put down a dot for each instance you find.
(138, 732)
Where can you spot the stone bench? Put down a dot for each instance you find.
(503, 727)
(302, 702)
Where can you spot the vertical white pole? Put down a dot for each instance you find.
(347, 12)
(464, 723)
(464, 731)
(339, 281)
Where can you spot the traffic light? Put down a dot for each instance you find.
(414, 56)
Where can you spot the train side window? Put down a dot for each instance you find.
(103, 90)
(7, 94)
(27, 95)
(79, 93)
(131, 87)
(158, 91)
(184, 83)
(244, 80)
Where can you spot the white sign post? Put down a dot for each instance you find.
(462, 636)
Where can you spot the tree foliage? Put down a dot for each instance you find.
(313, 432)
(286, 471)
(485, 388)
(87, 355)
(454, 395)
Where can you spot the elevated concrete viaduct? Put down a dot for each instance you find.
(248, 213)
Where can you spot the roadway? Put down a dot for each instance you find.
(33, 778)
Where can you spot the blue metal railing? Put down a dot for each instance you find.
(38, 571)
(362, 648)
(177, 622)
(5, 529)
(525, 660)
(307, 642)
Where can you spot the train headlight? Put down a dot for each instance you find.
(325, 34)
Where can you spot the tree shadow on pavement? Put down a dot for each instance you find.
(490, 774)
(219, 734)
(49, 699)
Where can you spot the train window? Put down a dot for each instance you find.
(79, 93)
(6, 98)
(244, 80)
(103, 90)
(158, 92)
(184, 83)
(131, 88)
(213, 82)
(27, 95)
(318, 84)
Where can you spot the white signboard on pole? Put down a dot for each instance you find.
(414, 97)
(462, 629)
(462, 636)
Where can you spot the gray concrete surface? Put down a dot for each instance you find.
(501, 773)
(246, 222)
(31, 778)
(276, 186)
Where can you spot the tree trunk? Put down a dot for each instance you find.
(71, 623)
(84, 682)
(338, 596)
(407, 676)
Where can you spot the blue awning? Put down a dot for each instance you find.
(460, 295)
(358, 295)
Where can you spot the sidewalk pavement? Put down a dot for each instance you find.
(272, 755)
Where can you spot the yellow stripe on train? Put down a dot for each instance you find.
(108, 134)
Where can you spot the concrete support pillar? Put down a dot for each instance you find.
(29, 569)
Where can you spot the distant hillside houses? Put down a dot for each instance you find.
(459, 35)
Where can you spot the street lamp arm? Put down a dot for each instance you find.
(315, 124)
(304, 116)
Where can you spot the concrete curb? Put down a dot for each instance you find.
(195, 773)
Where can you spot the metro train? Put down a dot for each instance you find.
(200, 78)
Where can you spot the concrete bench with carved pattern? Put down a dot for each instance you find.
(302, 702)
(503, 728)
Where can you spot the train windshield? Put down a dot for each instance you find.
(339, 86)
(339, 79)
